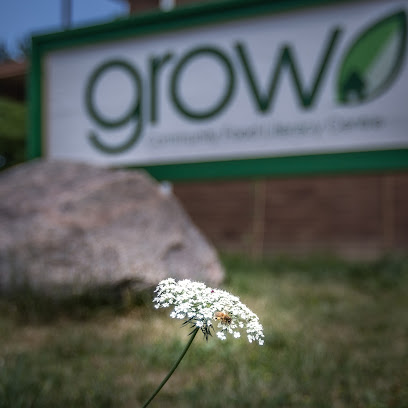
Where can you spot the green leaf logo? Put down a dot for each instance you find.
(373, 61)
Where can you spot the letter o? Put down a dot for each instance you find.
(176, 78)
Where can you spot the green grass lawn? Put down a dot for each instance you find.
(336, 335)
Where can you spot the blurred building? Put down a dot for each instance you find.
(353, 214)
(359, 215)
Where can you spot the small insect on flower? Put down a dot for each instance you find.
(223, 317)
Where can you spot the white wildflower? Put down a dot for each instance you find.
(200, 305)
(221, 335)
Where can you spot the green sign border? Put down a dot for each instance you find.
(179, 19)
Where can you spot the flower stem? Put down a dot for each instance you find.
(193, 334)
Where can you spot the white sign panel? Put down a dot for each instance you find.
(315, 80)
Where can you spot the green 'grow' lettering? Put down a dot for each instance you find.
(263, 100)
(133, 114)
(156, 63)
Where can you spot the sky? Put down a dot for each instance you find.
(20, 18)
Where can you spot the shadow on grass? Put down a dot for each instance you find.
(385, 272)
(27, 306)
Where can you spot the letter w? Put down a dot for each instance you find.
(264, 99)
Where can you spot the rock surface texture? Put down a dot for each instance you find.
(69, 229)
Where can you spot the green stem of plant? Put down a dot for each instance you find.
(193, 334)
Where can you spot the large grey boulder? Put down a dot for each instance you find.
(70, 228)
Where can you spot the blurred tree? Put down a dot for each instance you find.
(24, 47)
(12, 132)
(4, 52)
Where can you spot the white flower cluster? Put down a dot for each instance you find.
(201, 306)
